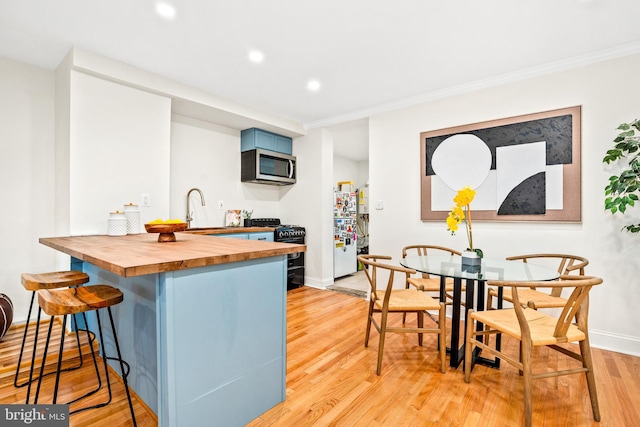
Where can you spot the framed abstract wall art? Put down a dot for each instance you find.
(524, 168)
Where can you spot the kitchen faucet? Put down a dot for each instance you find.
(189, 213)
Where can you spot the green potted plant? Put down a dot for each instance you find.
(247, 217)
(623, 189)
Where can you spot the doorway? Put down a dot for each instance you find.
(351, 164)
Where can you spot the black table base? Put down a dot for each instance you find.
(456, 351)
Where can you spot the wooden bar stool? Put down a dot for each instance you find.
(39, 281)
(83, 299)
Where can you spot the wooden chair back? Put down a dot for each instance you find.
(421, 250)
(576, 307)
(534, 328)
(371, 264)
(567, 264)
(399, 301)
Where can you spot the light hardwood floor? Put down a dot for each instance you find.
(331, 380)
(72, 384)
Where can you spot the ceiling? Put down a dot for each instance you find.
(367, 55)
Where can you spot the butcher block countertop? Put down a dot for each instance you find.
(140, 254)
(228, 230)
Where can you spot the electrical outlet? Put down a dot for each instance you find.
(145, 199)
(220, 204)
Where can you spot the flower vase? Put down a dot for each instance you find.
(471, 262)
(471, 258)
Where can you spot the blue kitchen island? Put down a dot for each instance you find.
(202, 324)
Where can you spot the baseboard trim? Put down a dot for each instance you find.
(614, 342)
(318, 283)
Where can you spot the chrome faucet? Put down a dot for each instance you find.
(189, 213)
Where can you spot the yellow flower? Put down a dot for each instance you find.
(464, 196)
(462, 212)
(458, 213)
(452, 223)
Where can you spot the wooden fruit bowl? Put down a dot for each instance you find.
(166, 230)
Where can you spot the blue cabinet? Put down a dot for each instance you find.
(164, 317)
(265, 236)
(233, 235)
(253, 138)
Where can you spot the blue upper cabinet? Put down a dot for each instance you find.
(253, 138)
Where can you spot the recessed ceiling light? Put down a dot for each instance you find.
(256, 56)
(165, 10)
(313, 85)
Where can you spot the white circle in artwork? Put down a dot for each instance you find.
(462, 160)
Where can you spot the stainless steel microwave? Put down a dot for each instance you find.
(268, 167)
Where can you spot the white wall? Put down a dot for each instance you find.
(76, 147)
(608, 93)
(119, 148)
(363, 173)
(344, 170)
(27, 164)
(310, 203)
(207, 156)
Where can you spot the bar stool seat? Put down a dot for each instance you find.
(71, 301)
(57, 279)
(37, 281)
(78, 300)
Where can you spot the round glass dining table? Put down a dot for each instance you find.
(476, 278)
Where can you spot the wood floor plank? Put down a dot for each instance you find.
(73, 383)
(411, 391)
(331, 380)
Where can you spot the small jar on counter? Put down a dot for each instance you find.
(117, 224)
(132, 213)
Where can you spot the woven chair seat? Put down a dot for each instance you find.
(533, 328)
(424, 282)
(409, 300)
(542, 325)
(539, 299)
(431, 284)
(387, 299)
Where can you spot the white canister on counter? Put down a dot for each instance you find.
(132, 213)
(117, 224)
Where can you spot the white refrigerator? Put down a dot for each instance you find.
(344, 234)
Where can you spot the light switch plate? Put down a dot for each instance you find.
(145, 199)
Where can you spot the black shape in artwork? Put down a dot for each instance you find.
(556, 132)
(527, 198)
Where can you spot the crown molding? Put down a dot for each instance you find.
(525, 74)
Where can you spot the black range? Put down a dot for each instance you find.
(287, 234)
